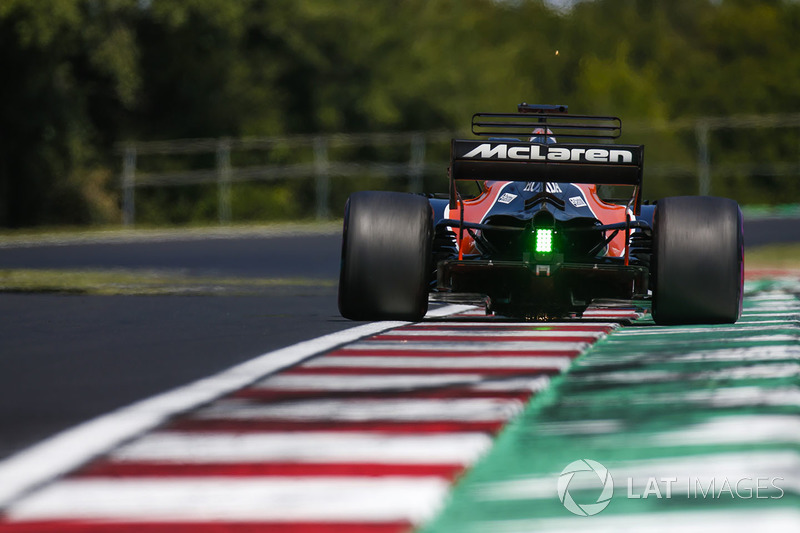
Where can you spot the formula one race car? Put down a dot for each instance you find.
(542, 238)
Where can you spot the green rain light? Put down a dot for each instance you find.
(544, 240)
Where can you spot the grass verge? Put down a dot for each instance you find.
(63, 236)
(773, 256)
(128, 282)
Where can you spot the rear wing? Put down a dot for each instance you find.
(510, 159)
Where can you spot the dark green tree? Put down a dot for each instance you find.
(71, 74)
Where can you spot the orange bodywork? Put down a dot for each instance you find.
(475, 209)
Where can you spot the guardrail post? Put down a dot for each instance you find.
(224, 180)
(703, 158)
(417, 163)
(321, 171)
(128, 184)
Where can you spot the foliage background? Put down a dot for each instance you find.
(83, 75)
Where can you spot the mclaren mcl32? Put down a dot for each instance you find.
(553, 226)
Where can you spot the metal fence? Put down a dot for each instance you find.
(703, 128)
(426, 152)
(321, 166)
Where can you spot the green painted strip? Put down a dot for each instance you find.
(702, 405)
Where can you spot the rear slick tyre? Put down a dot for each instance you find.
(698, 255)
(386, 256)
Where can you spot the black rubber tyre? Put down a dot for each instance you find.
(386, 256)
(698, 265)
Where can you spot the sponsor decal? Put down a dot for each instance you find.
(577, 201)
(506, 198)
(552, 188)
(537, 152)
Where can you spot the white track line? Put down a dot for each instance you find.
(755, 371)
(468, 346)
(786, 314)
(785, 352)
(736, 429)
(739, 328)
(589, 335)
(526, 326)
(352, 410)
(434, 363)
(305, 447)
(235, 500)
(610, 312)
(746, 466)
(70, 449)
(360, 382)
(732, 340)
(780, 520)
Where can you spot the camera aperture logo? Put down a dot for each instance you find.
(586, 470)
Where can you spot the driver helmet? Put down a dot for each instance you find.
(539, 137)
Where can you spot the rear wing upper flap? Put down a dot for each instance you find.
(555, 121)
(602, 164)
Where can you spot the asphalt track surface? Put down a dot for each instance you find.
(65, 359)
(68, 358)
